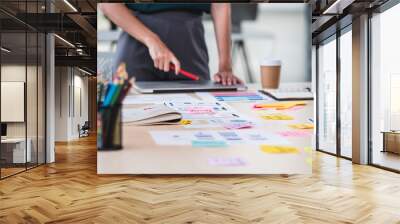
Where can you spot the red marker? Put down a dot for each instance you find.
(185, 73)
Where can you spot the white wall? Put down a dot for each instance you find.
(71, 93)
(281, 31)
(12, 73)
(62, 81)
(33, 126)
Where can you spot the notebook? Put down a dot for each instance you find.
(151, 115)
(290, 91)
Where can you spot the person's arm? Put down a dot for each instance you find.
(221, 14)
(119, 14)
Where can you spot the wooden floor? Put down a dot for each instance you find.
(69, 191)
(387, 159)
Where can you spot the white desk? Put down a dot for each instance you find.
(141, 155)
(18, 151)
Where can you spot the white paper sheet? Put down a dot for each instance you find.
(231, 137)
(157, 98)
(232, 96)
(203, 110)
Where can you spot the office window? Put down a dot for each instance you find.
(14, 153)
(22, 88)
(346, 93)
(385, 89)
(327, 96)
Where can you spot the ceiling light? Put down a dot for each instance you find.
(338, 6)
(5, 50)
(84, 71)
(65, 41)
(70, 5)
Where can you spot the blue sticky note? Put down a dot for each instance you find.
(212, 144)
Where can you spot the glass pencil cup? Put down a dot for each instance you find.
(109, 127)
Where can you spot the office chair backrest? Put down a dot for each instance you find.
(241, 12)
(86, 125)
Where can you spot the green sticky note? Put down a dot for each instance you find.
(202, 143)
(309, 161)
(308, 149)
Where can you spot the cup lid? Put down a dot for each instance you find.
(271, 62)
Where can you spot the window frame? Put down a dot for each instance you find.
(333, 37)
(378, 10)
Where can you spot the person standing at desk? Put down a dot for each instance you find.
(156, 35)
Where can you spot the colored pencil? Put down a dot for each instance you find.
(185, 73)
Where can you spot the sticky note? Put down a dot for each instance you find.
(302, 126)
(230, 136)
(200, 110)
(207, 144)
(308, 149)
(185, 122)
(226, 161)
(274, 149)
(281, 105)
(277, 117)
(295, 108)
(309, 161)
(295, 133)
(237, 124)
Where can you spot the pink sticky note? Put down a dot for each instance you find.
(296, 133)
(226, 161)
(199, 110)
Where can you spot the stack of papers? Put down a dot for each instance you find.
(288, 91)
(150, 115)
(157, 98)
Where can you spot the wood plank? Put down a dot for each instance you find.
(70, 191)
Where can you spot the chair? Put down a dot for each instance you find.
(84, 130)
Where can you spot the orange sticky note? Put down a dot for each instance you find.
(275, 149)
(277, 117)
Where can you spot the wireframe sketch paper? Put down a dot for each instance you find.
(231, 137)
(157, 98)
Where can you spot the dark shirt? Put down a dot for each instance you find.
(157, 7)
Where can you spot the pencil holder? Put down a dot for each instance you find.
(109, 133)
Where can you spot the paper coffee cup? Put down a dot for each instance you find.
(270, 70)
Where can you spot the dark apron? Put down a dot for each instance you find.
(181, 31)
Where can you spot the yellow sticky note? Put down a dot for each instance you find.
(185, 122)
(308, 149)
(302, 126)
(277, 117)
(309, 161)
(281, 105)
(278, 149)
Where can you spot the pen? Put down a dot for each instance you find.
(185, 73)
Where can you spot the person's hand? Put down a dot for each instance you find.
(226, 77)
(161, 55)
